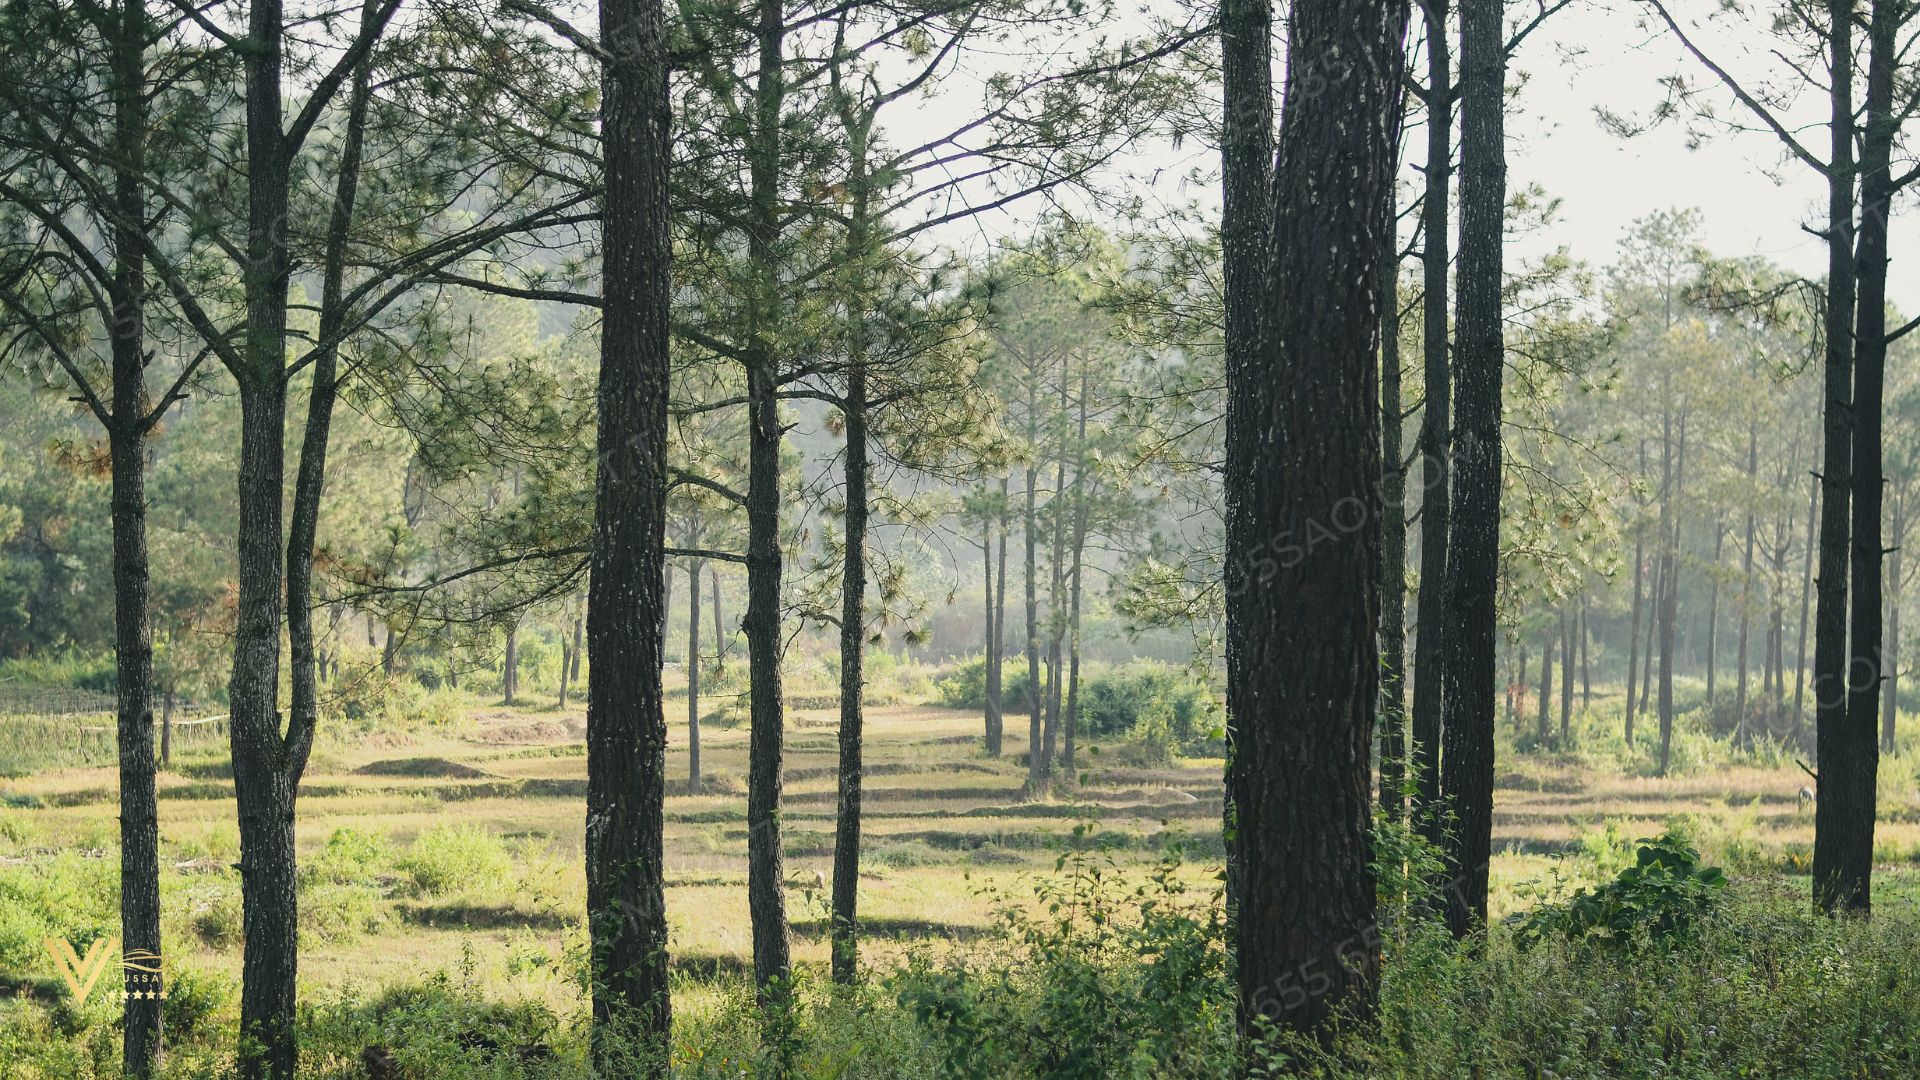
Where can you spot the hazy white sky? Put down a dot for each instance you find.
(1611, 54)
(1754, 201)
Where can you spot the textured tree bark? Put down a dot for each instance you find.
(1586, 670)
(127, 429)
(1077, 553)
(990, 700)
(1552, 639)
(1056, 598)
(1850, 751)
(693, 676)
(1633, 631)
(263, 791)
(1473, 555)
(720, 634)
(166, 727)
(1833, 855)
(566, 663)
(766, 887)
(1670, 586)
(1741, 731)
(303, 524)
(1653, 623)
(853, 604)
(1891, 710)
(1393, 529)
(1303, 658)
(579, 644)
(626, 718)
(1036, 760)
(509, 664)
(1430, 605)
(997, 639)
(1713, 610)
(1567, 624)
(1806, 598)
(1246, 160)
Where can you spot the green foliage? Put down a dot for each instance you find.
(445, 859)
(1094, 979)
(1158, 705)
(965, 687)
(1659, 899)
(195, 1000)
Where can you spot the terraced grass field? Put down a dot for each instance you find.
(457, 848)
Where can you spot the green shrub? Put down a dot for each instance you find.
(351, 857)
(444, 859)
(194, 999)
(1657, 900)
(965, 687)
(1104, 981)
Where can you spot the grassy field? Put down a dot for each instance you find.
(454, 847)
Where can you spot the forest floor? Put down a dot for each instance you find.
(456, 848)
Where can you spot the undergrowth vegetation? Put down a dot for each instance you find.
(1115, 966)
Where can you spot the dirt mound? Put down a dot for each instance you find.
(421, 766)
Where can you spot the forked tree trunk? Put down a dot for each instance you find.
(1850, 749)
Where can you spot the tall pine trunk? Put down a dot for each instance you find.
(626, 603)
(1036, 760)
(1833, 858)
(128, 425)
(1850, 749)
(766, 890)
(693, 676)
(1393, 527)
(1473, 555)
(1567, 624)
(1077, 551)
(1798, 721)
(1430, 604)
(1303, 658)
(1741, 732)
(1246, 158)
(853, 601)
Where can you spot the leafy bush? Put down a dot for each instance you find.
(194, 998)
(1657, 901)
(351, 857)
(442, 860)
(1155, 703)
(1103, 981)
(965, 687)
